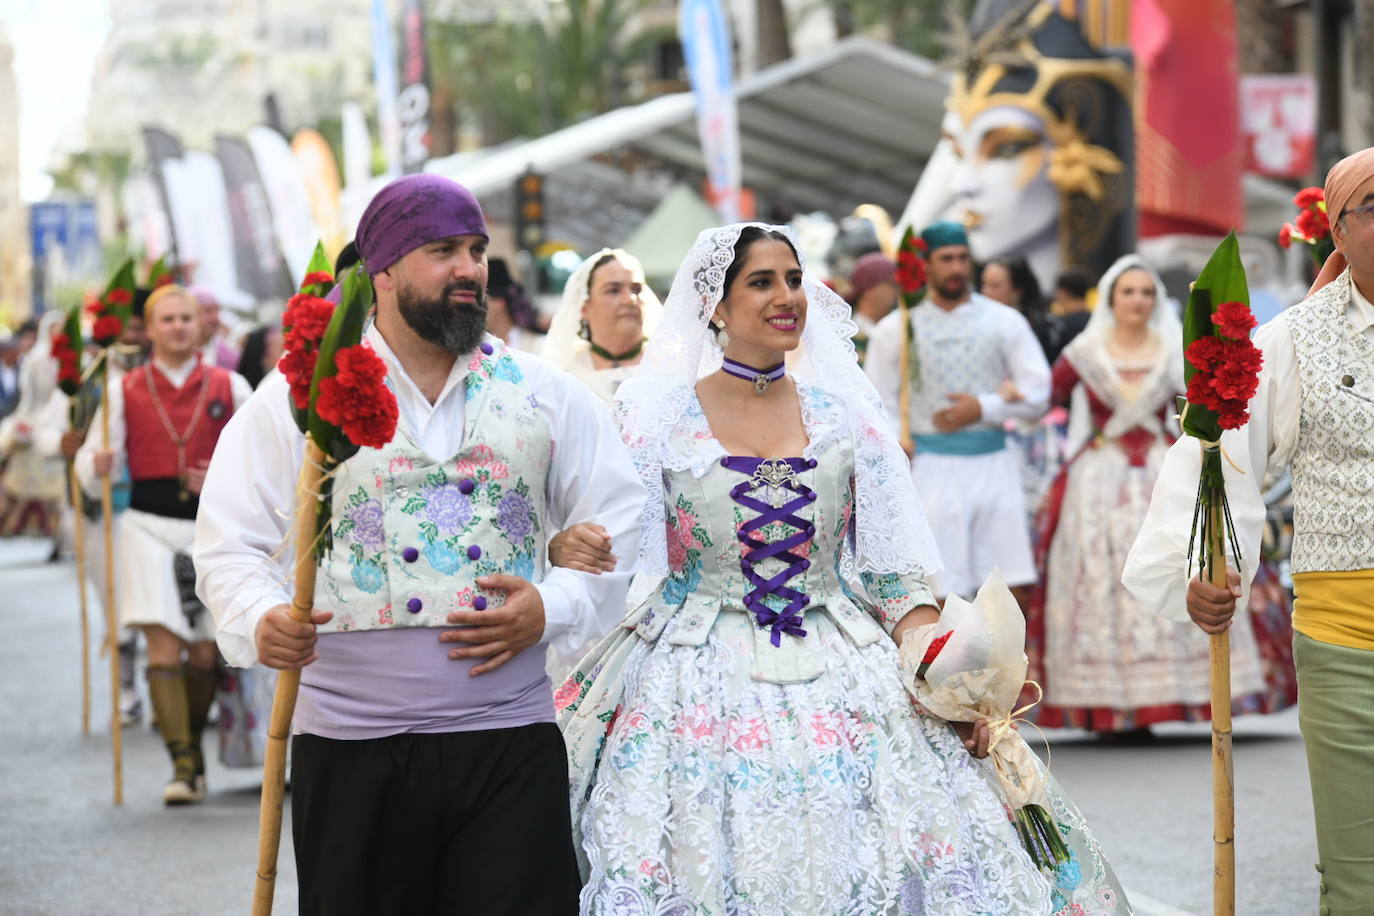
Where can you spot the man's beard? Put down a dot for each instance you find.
(457, 328)
(952, 288)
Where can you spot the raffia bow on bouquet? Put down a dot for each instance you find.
(340, 402)
(971, 665)
(1222, 374)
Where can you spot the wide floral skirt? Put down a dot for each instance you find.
(699, 791)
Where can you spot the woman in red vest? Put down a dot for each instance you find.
(165, 418)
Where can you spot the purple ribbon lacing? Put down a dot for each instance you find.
(789, 619)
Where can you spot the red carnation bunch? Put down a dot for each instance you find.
(68, 364)
(911, 265)
(356, 398)
(108, 324)
(1227, 365)
(1312, 225)
(304, 324)
(322, 279)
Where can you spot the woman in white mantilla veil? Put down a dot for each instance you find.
(607, 314)
(743, 742)
(1106, 663)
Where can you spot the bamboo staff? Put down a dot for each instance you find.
(79, 536)
(1223, 785)
(288, 682)
(111, 615)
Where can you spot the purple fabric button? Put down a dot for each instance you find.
(414, 605)
(474, 552)
(811, 496)
(805, 564)
(811, 463)
(486, 348)
(410, 554)
(466, 486)
(479, 603)
(725, 462)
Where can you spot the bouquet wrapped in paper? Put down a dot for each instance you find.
(971, 665)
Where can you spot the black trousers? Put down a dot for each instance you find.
(460, 824)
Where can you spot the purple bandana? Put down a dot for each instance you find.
(413, 211)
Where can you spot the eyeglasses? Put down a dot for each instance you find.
(1363, 214)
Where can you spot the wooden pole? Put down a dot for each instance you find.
(904, 370)
(288, 682)
(1223, 785)
(79, 536)
(111, 614)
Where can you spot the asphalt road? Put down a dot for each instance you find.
(65, 849)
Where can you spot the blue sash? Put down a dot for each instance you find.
(962, 442)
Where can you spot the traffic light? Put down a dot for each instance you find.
(529, 211)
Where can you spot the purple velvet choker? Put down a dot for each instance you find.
(776, 474)
(761, 378)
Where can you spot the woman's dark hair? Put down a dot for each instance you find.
(747, 237)
(600, 263)
(348, 256)
(250, 357)
(1075, 281)
(1028, 298)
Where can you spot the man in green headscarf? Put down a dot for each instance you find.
(962, 351)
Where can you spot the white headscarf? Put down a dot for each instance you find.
(1164, 323)
(564, 347)
(892, 535)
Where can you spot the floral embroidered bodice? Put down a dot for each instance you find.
(768, 538)
(412, 532)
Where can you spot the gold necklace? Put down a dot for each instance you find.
(179, 440)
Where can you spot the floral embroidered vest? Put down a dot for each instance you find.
(1333, 465)
(957, 351)
(412, 533)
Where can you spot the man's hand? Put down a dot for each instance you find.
(497, 634)
(1009, 393)
(585, 547)
(975, 735)
(71, 443)
(1211, 607)
(195, 477)
(284, 642)
(963, 410)
(104, 462)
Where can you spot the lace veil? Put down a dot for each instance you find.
(562, 346)
(891, 532)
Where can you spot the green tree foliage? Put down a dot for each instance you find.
(911, 24)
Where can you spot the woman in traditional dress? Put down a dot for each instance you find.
(607, 314)
(743, 742)
(33, 479)
(1107, 663)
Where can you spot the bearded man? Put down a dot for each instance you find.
(427, 772)
(974, 363)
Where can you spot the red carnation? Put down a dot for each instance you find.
(932, 651)
(920, 243)
(119, 296)
(299, 368)
(356, 398)
(96, 307)
(307, 317)
(60, 341)
(107, 329)
(1309, 197)
(1233, 320)
(164, 280)
(1286, 236)
(1203, 353)
(68, 373)
(1313, 224)
(318, 278)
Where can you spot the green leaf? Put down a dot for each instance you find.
(157, 272)
(436, 477)
(345, 330)
(413, 505)
(319, 262)
(123, 279)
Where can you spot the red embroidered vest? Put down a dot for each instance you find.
(152, 452)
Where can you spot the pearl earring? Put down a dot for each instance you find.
(722, 336)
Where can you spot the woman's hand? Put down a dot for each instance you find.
(585, 547)
(975, 735)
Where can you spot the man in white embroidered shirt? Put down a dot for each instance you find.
(427, 772)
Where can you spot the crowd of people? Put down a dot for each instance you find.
(722, 516)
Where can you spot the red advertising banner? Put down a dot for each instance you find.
(1279, 118)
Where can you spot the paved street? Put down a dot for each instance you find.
(64, 849)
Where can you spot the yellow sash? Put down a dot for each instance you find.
(1335, 607)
